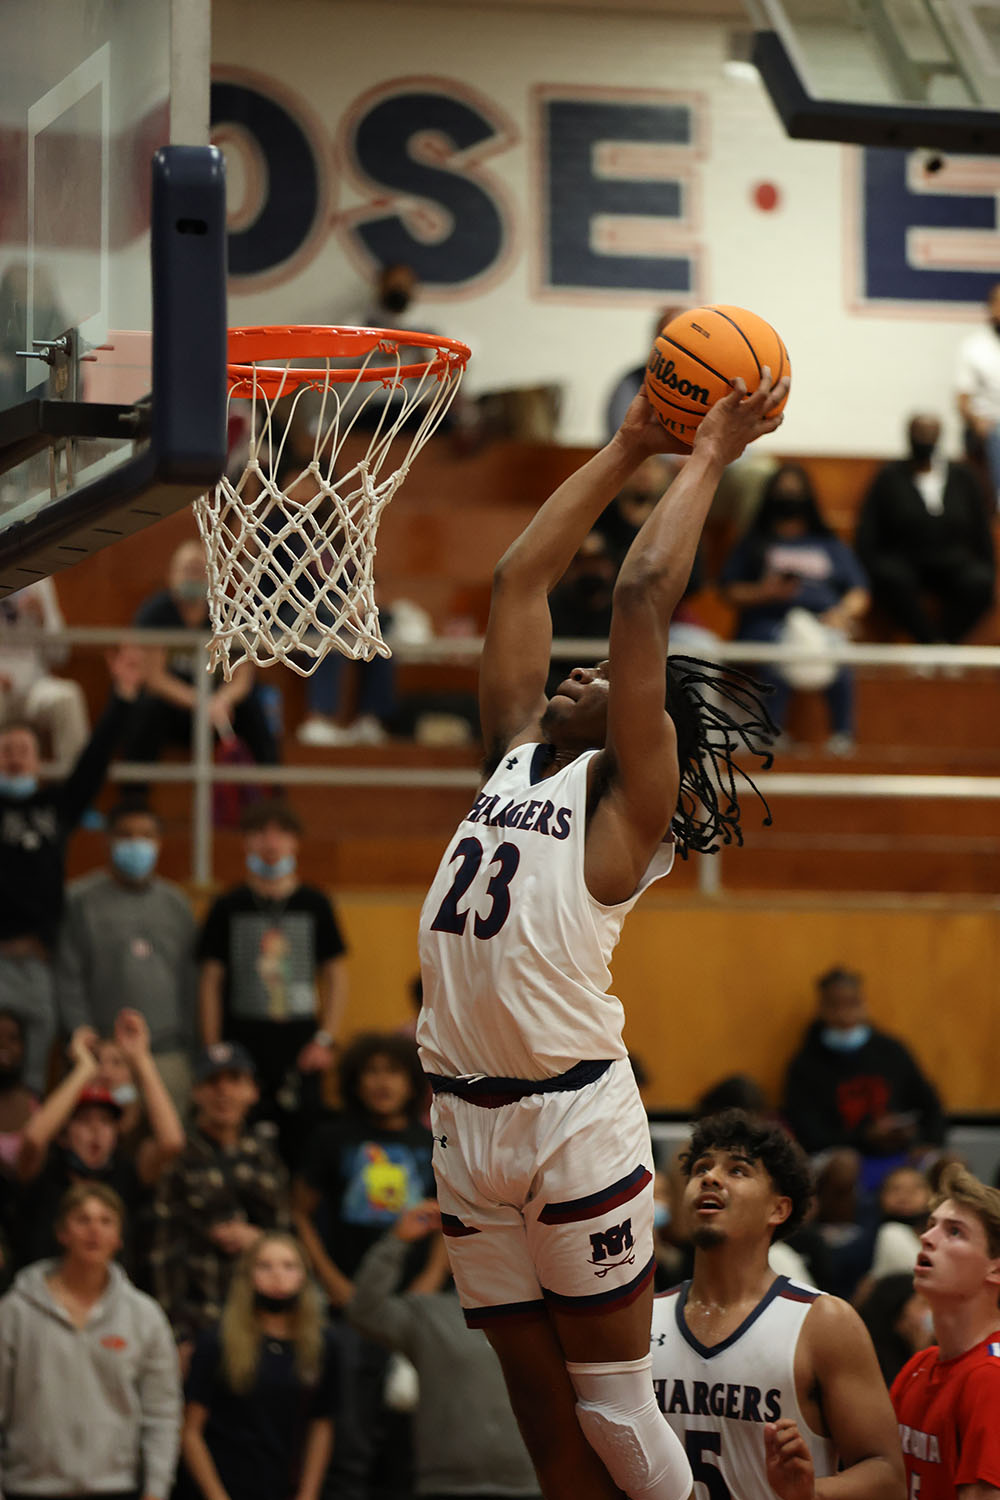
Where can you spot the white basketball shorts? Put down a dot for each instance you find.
(547, 1200)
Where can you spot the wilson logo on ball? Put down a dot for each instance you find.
(665, 371)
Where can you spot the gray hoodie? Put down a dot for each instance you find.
(90, 1409)
(465, 1435)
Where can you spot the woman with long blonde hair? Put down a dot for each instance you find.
(258, 1424)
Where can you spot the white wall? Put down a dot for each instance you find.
(859, 368)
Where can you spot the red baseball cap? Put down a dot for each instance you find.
(95, 1095)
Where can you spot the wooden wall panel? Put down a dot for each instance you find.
(710, 991)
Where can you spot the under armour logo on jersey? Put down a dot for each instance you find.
(613, 1242)
(512, 762)
(441, 1140)
(659, 1339)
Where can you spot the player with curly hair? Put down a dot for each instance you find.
(542, 1148)
(773, 1388)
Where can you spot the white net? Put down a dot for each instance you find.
(290, 542)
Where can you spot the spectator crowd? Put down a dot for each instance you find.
(224, 1265)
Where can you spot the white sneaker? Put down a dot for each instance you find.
(321, 733)
(367, 731)
(841, 745)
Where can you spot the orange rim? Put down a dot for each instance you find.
(309, 341)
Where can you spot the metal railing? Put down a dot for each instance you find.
(203, 774)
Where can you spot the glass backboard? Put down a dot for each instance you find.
(884, 72)
(85, 92)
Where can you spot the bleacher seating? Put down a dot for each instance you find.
(437, 546)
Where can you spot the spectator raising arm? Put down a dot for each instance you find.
(167, 1133)
(376, 1308)
(305, 1202)
(47, 1121)
(128, 668)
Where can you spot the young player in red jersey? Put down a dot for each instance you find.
(947, 1398)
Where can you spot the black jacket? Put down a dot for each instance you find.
(34, 831)
(831, 1097)
(895, 521)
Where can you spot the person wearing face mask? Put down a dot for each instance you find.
(925, 541)
(273, 972)
(852, 1085)
(75, 1136)
(127, 942)
(261, 1390)
(978, 391)
(164, 717)
(904, 1202)
(789, 559)
(36, 821)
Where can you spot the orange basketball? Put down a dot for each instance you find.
(696, 356)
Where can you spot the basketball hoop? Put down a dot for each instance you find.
(290, 542)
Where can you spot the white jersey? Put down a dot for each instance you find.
(728, 1392)
(513, 947)
(978, 373)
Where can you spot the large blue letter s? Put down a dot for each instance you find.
(386, 151)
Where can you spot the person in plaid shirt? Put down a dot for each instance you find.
(225, 1189)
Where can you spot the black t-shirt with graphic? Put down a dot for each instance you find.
(271, 951)
(365, 1176)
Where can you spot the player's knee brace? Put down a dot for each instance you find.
(621, 1421)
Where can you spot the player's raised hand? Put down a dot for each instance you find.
(788, 1462)
(643, 431)
(739, 418)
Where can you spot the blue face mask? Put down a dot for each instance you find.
(192, 590)
(135, 858)
(661, 1214)
(18, 787)
(281, 868)
(845, 1041)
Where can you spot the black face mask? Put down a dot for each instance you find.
(395, 300)
(996, 326)
(79, 1167)
(9, 1078)
(922, 452)
(263, 1303)
(789, 508)
(917, 1222)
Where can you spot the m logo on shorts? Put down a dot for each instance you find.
(612, 1248)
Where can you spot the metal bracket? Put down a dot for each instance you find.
(47, 349)
(35, 425)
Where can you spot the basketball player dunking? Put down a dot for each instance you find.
(772, 1387)
(542, 1149)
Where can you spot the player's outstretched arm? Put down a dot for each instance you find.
(640, 736)
(856, 1406)
(518, 642)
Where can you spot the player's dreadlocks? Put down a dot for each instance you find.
(716, 712)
